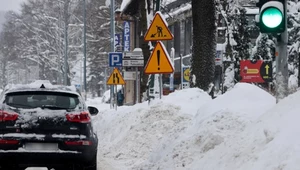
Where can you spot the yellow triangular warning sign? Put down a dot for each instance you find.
(115, 78)
(159, 61)
(158, 29)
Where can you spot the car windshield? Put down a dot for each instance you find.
(50, 100)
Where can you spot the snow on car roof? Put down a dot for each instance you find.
(40, 85)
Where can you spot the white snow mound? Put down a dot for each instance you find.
(187, 130)
(128, 135)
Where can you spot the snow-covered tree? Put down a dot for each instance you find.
(40, 37)
(241, 35)
(293, 44)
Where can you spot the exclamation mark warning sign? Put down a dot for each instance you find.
(158, 59)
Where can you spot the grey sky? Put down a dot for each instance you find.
(10, 5)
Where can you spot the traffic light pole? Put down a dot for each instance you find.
(281, 63)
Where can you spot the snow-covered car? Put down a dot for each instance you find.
(45, 125)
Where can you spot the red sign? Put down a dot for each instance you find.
(258, 71)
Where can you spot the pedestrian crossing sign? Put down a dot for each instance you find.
(158, 30)
(115, 78)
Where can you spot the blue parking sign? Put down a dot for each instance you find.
(115, 59)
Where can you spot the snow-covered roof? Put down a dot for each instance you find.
(183, 8)
(170, 8)
(252, 10)
(124, 4)
(166, 2)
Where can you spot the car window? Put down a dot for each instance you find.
(43, 99)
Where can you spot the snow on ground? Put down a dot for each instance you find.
(127, 136)
(242, 129)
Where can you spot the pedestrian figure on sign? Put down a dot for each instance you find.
(159, 31)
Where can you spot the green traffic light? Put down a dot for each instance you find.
(272, 17)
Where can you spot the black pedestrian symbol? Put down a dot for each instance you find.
(115, 76)
(159, 32)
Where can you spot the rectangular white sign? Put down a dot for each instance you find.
(133, 63)
(129, 75)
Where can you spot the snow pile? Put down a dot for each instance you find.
(130, 134)
(242, 129)
(206, 143)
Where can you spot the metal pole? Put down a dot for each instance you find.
(172, 74)
(137, 85)
(116, 97)
(81, 67)
(160, 86)
(157, 5)
(281, 64)
(66, 45)
(298, 67)
(112, 42)
(105, 80)
(181, 72)
(84, 49)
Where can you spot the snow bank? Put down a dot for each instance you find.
(128, 135)
(242, 129)
(214, 126)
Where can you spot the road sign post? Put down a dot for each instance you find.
(159, 61)
(172, 55)
(112, 40)
(134, 59)
(115, 79)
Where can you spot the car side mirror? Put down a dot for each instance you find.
(93, 110)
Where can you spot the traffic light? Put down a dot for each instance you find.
(271, 17)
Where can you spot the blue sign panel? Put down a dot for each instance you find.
(126, 36)
(77, 86)
(115, 59)
(117, 39)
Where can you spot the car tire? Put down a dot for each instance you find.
(91, 165)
